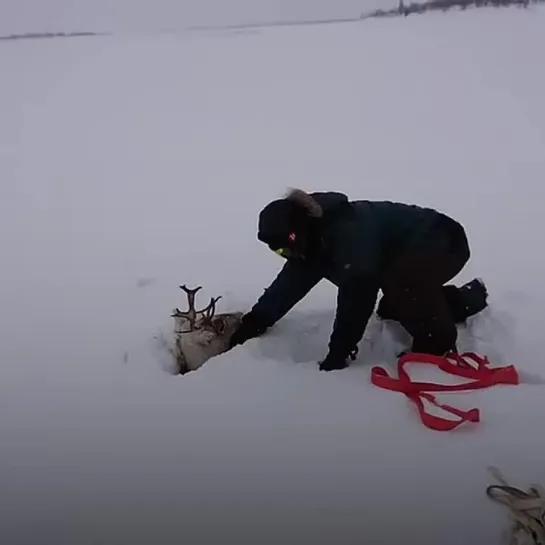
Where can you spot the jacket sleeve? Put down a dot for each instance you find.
(356, 301)
(294, 281)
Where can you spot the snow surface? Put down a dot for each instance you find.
(132, 164)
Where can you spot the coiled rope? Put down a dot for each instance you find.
(526, 510)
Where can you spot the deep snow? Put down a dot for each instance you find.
(130, 165)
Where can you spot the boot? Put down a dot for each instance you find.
(468, 300)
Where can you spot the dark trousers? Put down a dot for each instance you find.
(414, 290)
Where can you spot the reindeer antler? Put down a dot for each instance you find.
(192, 313)
(211, 308)
(191, 293)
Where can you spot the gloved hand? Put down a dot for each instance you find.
(251, 326)
(335, 362)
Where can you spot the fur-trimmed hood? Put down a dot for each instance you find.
(318, 203)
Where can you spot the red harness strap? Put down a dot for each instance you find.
(481, 376)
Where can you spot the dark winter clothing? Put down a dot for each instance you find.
(413, 286)
(362, 247)
(464, 302)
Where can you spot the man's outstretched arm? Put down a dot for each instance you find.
(292, 283)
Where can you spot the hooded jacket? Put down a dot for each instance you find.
(355, 243)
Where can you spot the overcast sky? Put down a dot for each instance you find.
(65, 15)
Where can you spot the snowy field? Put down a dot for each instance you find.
(131, 164)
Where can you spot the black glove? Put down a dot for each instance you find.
(251, 326)
(334, 362)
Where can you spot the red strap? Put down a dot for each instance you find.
(480, 373)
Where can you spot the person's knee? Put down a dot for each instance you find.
(431, 324)
(436, 341)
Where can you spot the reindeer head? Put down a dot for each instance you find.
(201, 334)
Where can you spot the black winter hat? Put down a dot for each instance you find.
(282, 218)
(278, 220)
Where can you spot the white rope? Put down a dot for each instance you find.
(526, 510)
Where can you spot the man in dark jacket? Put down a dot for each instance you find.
(364, 247)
